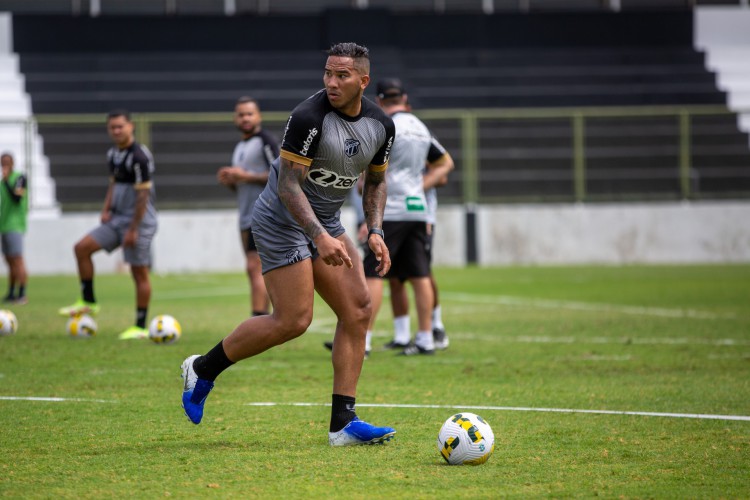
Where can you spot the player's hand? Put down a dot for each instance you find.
(131, 236)
(332, 251)
(105, 217)
(226, 176)
(382, 255)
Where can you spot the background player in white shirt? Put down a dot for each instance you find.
(405, 220)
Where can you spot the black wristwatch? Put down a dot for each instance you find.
(377, 231)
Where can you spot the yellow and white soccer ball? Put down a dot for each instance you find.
(8, 322)
(164, 329)
(466, 439)
(81, 326)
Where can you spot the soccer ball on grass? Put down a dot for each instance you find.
(81, 326)
(164, 329)
(8, 322)
(466, 438)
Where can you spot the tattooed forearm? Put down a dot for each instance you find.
(373, 198)
(291, 176)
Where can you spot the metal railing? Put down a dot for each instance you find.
(96, 8)
(476, 170)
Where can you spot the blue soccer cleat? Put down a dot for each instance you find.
(195, 392)
(359, 432)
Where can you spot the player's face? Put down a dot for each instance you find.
(247, 118)
(344, 84)
(120, 130)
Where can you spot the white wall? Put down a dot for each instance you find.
(195, 241)
(705, 232)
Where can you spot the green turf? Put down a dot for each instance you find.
(673, 339)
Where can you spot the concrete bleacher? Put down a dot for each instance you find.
(590, 65)
(18, 135)
(724, 35)
(520, 159)
(199, 81)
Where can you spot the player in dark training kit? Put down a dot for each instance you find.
(128, 219)
(330, 139)
(248, 174)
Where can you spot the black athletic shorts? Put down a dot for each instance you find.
(248, 242)
(408, 244)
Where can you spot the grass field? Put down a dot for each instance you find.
(651, 345)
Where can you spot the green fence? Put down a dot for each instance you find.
(559, 154)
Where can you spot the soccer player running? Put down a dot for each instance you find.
(13, 210)
(128, 219)
(405, 221)
(330, 139)
(248, 174)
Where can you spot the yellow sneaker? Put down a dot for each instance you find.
(134, 332)
(80, 306)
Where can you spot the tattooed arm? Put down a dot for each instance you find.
(373, 204)
(291, 177)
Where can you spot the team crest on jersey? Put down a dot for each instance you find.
(293, 256)
(351, 147)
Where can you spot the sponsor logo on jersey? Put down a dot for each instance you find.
(351, 147)
(286, 129)
(326, 178)
(414, 204)
(308, 142)
(388, 149)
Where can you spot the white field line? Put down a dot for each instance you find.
(506, 300)
(326, 327)
(197, 293)
(541, 339)
(702, 416)
(54, 400)
(502, 300)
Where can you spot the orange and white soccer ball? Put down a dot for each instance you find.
(466, 439)
(164, 329)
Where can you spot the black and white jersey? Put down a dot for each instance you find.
(336, 147)
(254, 154)
(131, 169)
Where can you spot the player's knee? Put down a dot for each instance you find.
(295, 325)
(363, 311)
(81, 249)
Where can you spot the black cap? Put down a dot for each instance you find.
(390, 87)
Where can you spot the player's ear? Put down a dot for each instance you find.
(364, 81)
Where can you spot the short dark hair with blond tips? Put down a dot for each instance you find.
(359, 53)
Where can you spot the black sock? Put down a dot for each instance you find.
(21, 291)
(87, 290)
(215, 361)
(11, 291)
(260, 313)
(140, 317)
(342, 412)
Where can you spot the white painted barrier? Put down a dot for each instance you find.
(658, 233)
(197, 241)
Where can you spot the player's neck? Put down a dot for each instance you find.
(248, 135)
(353, 108)
(126, 144)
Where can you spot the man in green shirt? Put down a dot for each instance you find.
(13, 209)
